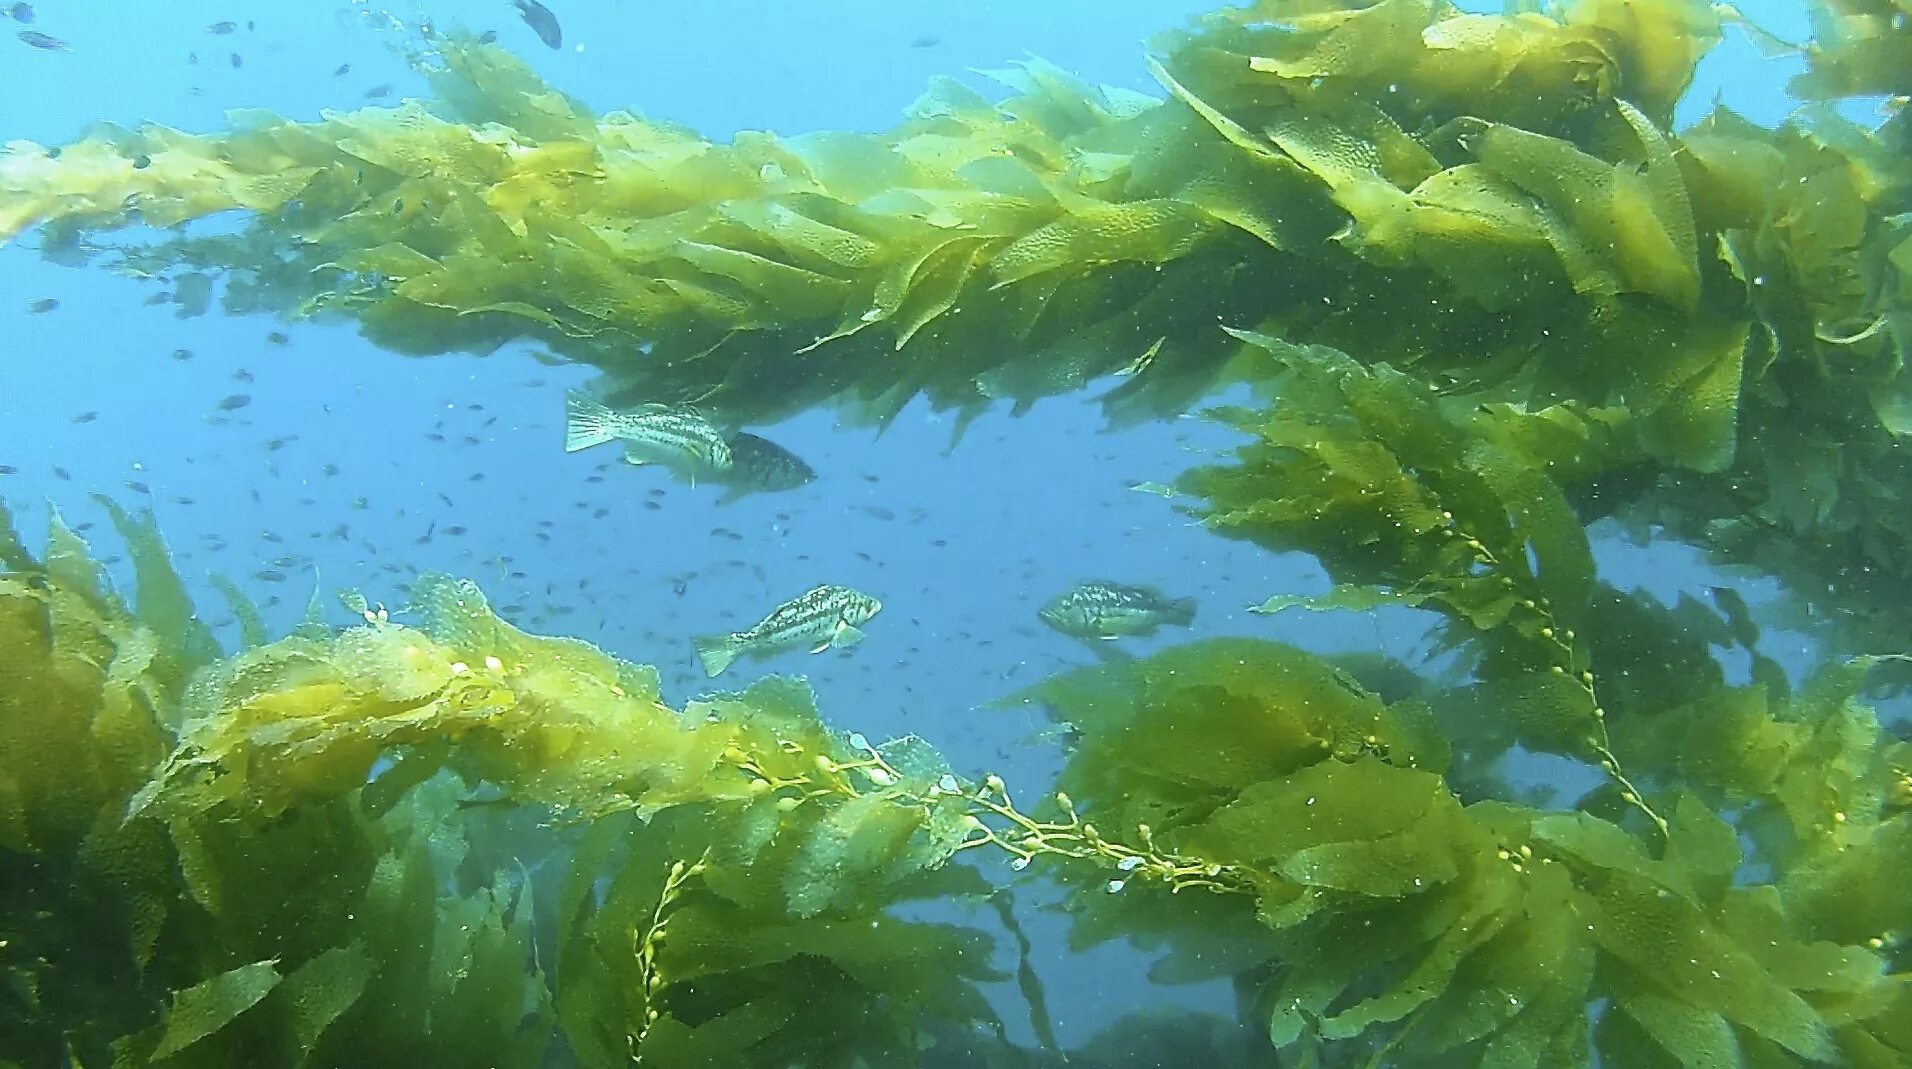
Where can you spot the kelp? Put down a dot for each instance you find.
(1357, 154)
(287, 860)
(1484, 297)
(1495, 204)
(1376, 915)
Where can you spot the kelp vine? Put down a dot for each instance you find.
(1486, 296)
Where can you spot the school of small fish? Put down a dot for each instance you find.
(692, 446)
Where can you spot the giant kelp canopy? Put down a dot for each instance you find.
(1487, 296)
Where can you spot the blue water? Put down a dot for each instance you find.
(961, 543)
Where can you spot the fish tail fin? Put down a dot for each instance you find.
(1181, 612)
(717, 651)
(587, 422)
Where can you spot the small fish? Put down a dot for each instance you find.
(44, 304)
(222, 28)
(379, 92)
(928, 40)
(827, 617)
(342, 70)
(1106, 611)
(234, 402)
(676, 437)
(19, 12)
(542, 22)
(43, 42)
(759, 465)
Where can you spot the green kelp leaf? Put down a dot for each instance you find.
(1350, 598)
(1701, 845)
(252, 628)
(1334, 42)
(1667, 937)
(1215, 716)
(492, 1001)
(208, 1006)
(852, 857)
(1650, 1028)
(879, 971)
(600, 991)
(320, 991)
(1635, 223)
(1147, 232)
(13, 552)
(1328, 802)
(161, 601)
(70, 565)
(1542, 528)
(1696, 423)
(1842, 978)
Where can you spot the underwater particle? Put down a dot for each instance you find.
(43, 42)
(878, 512)
(234, 402)
(542, 22)
(1105, 611)
(43, 305)
(824, 617)
(20, 12)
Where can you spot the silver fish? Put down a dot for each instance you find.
(674, 436)
(824, 618)
(1106, 611)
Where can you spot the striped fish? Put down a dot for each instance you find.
(824, 618)
(673, 436)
